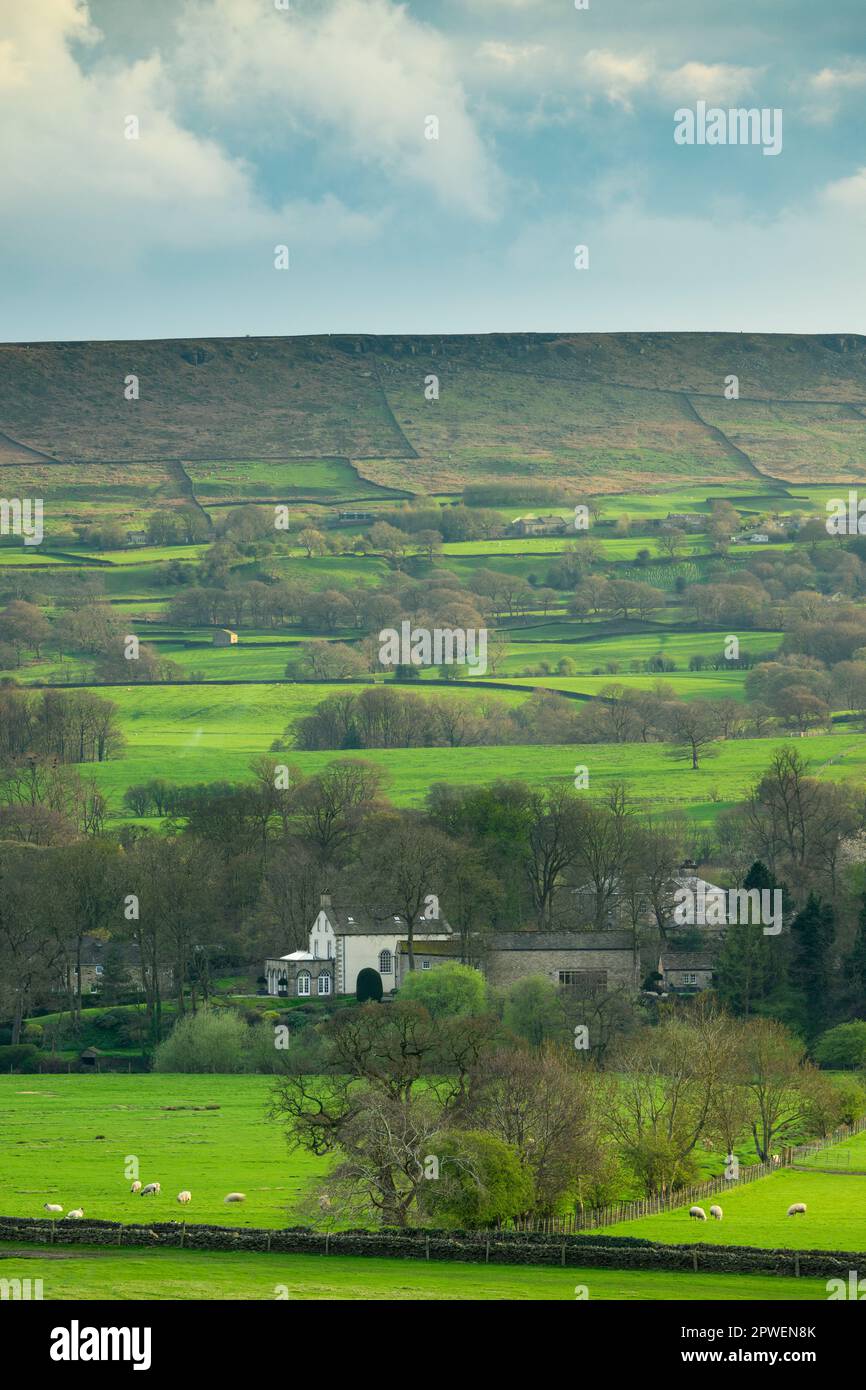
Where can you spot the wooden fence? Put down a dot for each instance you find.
(593, 1218)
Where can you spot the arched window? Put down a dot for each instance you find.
(385, 966)
(304, 982)
(325, 983)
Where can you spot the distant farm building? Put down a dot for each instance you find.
(686, 521)
(538, 526)
(351, 515)
(584, 963)
(686, 972)
(136, 538)
(224, 637)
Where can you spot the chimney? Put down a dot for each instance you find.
(324, 900)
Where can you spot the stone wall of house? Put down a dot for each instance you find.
(505, 967)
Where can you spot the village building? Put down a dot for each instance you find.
(686, 972)
(584, 962)
(224, 637)
(136, 538)
(343, 942)
(107, 961)
(685, 521)
(538, 526)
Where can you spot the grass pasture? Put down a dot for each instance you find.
(81, 1272)
(66, 1139)
(755, 1214)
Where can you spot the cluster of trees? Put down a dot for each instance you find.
(452, 1120)
(66, 726)
(384, 717)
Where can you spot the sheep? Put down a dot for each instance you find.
(153, 1189)
(697, 1213)
(797, 1209)
(235, 1197)
(136, 1186)
(184, 1197)
(75, 1215)
(53, 1207)
(717, 1213)
(776, 1160)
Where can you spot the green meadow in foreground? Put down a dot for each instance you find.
(95, 1273)
(68, 1139)
(755, 1214)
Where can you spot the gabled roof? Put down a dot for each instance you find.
(687, 960)
(359, 921)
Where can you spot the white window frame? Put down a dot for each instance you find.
(304, 980)
(324, 980)
(383, 956)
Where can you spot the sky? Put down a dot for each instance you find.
(307, 124)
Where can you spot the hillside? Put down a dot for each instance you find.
(236, 419)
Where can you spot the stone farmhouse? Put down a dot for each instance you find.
(538, 526)
(343, 942)
(686, 972)
(101, 961)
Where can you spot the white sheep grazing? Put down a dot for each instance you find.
(75, 1215)
(153, 1189)
(235, 1197)
(136, 1186)
(52, 1206)
(184, 1197)
(697, 1213)
(717, 1213)
(797, 1209)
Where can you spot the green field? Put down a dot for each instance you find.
(200, 733)
(100, 1123)
(755, 1214)
(97, 1122)
(278, 480)
(92, 1272)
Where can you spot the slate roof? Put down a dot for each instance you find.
(358, 921)
(561, 941)
(687, 960)
(431, 948)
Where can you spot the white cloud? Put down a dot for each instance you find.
(828, 88)
(712, 82)
(509, 55)
(360, 75)
(617, 76)
(100, 198)
(848, 193)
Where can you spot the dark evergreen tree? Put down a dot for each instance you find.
(750, 962)
(810, 973)
(855, 970)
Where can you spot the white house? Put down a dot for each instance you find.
(343, 942)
